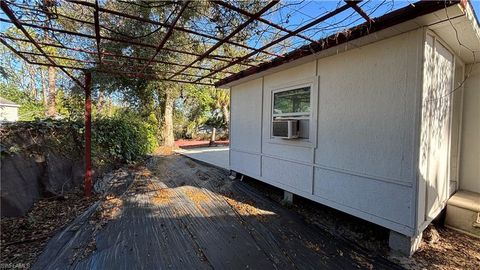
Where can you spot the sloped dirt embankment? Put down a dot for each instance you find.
(35, 163)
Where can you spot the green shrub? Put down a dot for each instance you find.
(114, 140)
(121, 140)
(41, 136)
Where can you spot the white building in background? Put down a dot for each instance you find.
(385, 127)
(8, 110)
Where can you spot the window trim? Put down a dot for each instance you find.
(313, 83)
(305, 115)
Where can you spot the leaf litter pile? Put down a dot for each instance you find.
(23, 238)
(441, 248)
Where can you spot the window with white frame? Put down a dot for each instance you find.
(291, 103)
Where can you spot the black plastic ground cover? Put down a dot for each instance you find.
(188, 215)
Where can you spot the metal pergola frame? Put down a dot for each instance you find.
(172, 26)
(178, 76)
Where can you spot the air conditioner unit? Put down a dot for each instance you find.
(285, 128)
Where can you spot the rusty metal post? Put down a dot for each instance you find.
(88, 134)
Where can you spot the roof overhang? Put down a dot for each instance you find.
(439, 17)
(458, 27)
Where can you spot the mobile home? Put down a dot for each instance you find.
(383, 125)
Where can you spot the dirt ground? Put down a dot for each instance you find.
(441, 248)
(188, 215)
(447, 249)
(23, 238)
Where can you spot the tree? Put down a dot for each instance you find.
(154, 101)
(15, 70)
(195, 105)
(52, 92)
(221, 99)
(30, 109)
(44, 87)
(167, 132)
(32, 78)
(145, 96)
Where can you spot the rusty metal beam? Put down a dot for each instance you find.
(175, 27)
(60, 66)
(105, 54)
(182, 29)
(229, 36)
(58, 57)
(359, 10)
(14, 50)
(147, 76)
(150, 77)
(30, 8)
(99, 70)
(47, 28)
(154, 77)
(130, 75)
(298, 30)
(383, 22)
(97, 31)
(370, 26)
(136, 43)
(167, 34)
(260, 19)
(15, 21)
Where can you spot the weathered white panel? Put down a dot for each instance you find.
(298, 150)
(436, 126)
(297, 73)
(385, 200)
(246, 112)
(245, 163)
(457, 108)
(290, 152)
(366, 119)
(424, 134)
(367, 101)
(295, 175)
(470, 149)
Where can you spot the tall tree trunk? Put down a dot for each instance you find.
(226, 115)
(101, 102)
(44, 87)
(52, 92)
(212, 138)
(110, 107)
(168, 138)
(33, 91)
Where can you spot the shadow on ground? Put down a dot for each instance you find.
(182, 214)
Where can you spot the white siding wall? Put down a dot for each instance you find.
(470, 150)
(434, 179)
(246, 127)
(366, 147)
(8, 113)
(457, 117)
(362, 159)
